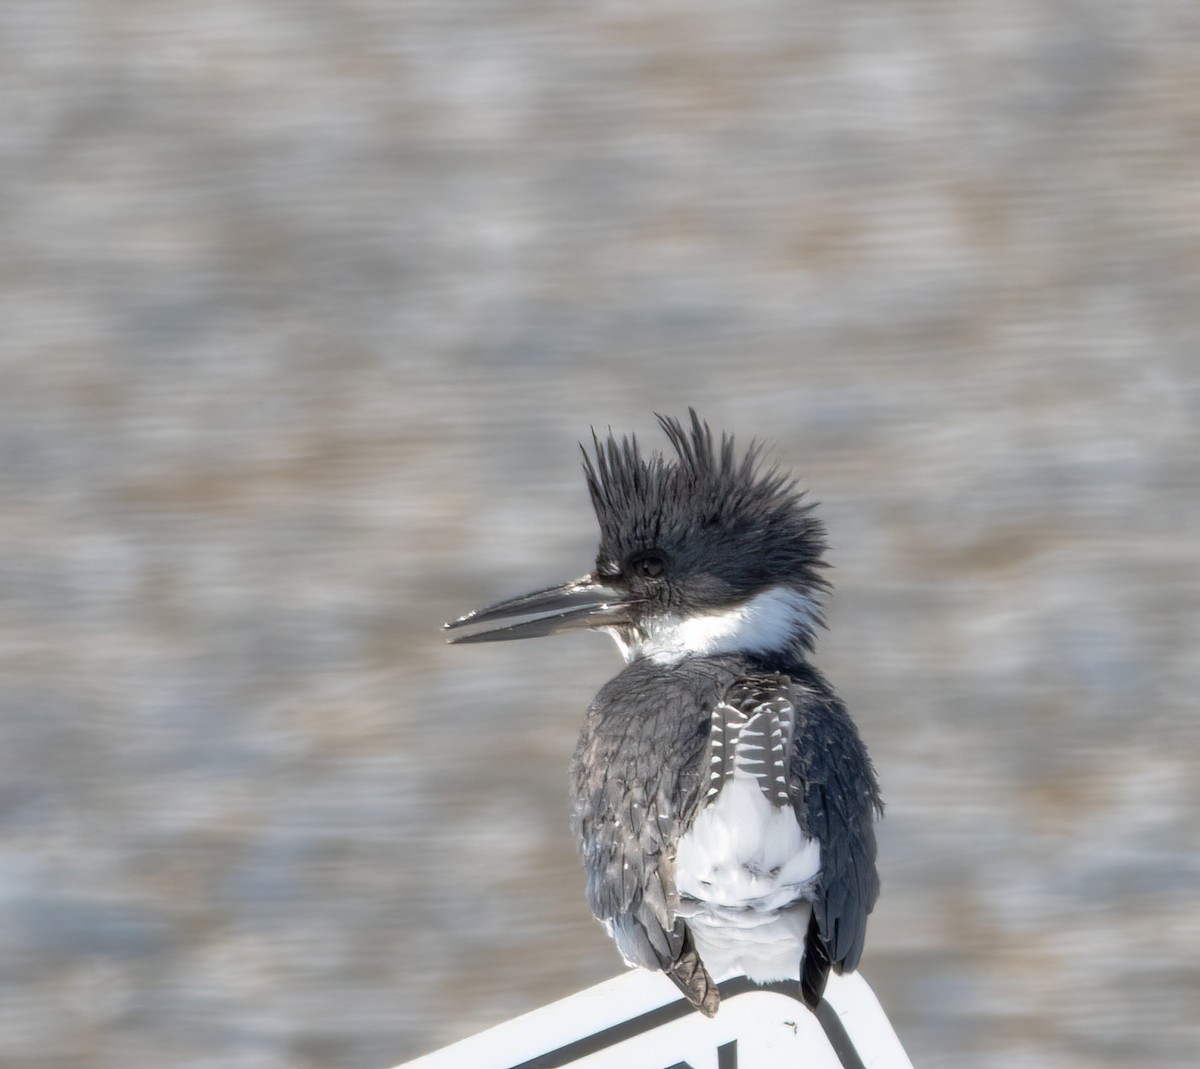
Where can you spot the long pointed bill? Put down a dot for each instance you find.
(574, 606)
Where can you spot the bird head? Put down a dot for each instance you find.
(707, 551)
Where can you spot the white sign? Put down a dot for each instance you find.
(638, 1021)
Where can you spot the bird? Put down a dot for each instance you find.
(722, 798)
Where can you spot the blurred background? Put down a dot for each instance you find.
(304, 309)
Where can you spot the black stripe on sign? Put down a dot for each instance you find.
(673, 1011)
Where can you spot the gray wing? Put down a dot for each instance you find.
(636, 777)
(836, 797)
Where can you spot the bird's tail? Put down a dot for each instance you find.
(815, 967)
(688, 974)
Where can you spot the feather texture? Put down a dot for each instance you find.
(641, 779)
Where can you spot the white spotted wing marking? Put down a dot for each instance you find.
(751, 732)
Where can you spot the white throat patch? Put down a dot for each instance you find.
(768, 621)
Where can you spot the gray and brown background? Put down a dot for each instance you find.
(303, 307)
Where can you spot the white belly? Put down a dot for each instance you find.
(745, 872)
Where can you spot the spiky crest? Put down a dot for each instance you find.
(707, 506)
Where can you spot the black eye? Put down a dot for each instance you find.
(648, 565)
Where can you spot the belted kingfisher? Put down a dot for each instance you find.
(722, 798)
